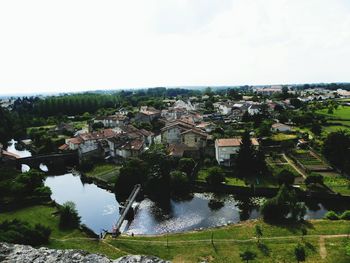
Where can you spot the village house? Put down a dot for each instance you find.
(127, 142)
(122, 146)
(254, 109)
(147, 114)
(180, 132)
(225, 149)
(112, 121)
(280, 127)
(225, 108)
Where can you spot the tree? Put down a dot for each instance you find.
(245, 157)
(283, 206)
(247, 256)
(316, 128)
(186, 165)
(69, 217)
(133, 172)
(285, 177)
(179, 181)
(299, 252)
(258, 232)
(336, 149)
(215, 176)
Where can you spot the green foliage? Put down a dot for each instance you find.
(337, 149)
(216, 175)
(285, 177)
(69, 217)
(283, 206)
(179, 181)
(133, 172)
(20, 232)
(345, 215)
(186, 165)
(17, 187)
(331, 215)
(250, 162)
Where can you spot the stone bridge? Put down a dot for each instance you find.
(56, 161)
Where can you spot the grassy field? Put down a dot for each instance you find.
(343, 112)
(278, 241)
(337, 183)
(105, 172)
(203, 173)
(283, 137)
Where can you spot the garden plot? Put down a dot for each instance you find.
(309, 162)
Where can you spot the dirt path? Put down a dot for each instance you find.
(323, 250)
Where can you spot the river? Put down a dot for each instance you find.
(99, 209)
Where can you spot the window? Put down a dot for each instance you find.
(195, 139)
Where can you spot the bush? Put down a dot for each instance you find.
(285, 177)
(345, 215)
(215, 176)
(69, 217)
(178, 181)
(331, 215)
(20, 232)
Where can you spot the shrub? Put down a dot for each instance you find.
(179, 181)
(215, 176)
(331, 215)
(69, 217)
(21, 232)
(345, 215)
(285, 177)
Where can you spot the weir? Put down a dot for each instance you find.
(126, 209)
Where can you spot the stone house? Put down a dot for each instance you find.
(225, 149)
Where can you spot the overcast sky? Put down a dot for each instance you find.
(70, 45)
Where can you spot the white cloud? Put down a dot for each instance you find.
(83, 44)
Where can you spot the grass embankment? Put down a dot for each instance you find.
(107, 173)
(278, 241)
(63, 239)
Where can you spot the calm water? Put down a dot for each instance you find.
(21, 153)
(99, 209)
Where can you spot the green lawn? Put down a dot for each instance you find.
(203, 173)
(278, 240)
(343, 112)
(105, 172)
(337, 183)
(43, 214)
(283, 137)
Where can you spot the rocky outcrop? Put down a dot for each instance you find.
(23, 254)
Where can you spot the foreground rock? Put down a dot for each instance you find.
(24, 254)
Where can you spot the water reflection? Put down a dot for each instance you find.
(97, 207)
(100, 210)
(185, 215)
(21, 153)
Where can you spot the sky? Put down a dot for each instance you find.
(72, 45)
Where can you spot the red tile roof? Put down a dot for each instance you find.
(234, 142)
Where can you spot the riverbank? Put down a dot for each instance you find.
(278, 241)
